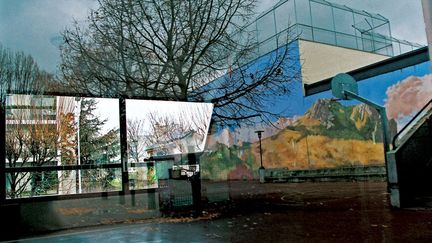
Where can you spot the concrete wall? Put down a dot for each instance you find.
(322, 61)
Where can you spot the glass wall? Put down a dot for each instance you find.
(59, 145)
(325, 22)
(162, 128)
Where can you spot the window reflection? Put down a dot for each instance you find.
(156, 128)
(54, 131)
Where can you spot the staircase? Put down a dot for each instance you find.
(412, 156)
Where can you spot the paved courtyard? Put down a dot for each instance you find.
(284, 212)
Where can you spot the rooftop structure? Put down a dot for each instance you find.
(325, 22)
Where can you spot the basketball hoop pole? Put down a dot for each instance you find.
(382, 112)
(345, 87)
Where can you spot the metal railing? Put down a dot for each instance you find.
(409, 128)
(268, 28)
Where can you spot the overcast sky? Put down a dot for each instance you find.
(34, 26)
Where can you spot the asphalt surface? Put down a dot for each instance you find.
(285, 212)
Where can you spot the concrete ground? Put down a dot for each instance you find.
(275, 212)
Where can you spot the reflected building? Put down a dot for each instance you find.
(36, 136)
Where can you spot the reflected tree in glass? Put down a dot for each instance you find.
(33, 139)
(177, 133)
(96, 146)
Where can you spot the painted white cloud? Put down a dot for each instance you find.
(408, 96)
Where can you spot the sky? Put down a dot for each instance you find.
(34, 26)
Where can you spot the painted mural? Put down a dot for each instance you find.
(318, 132)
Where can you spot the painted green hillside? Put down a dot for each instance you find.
(327, 135)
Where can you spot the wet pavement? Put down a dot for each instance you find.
(284, 212)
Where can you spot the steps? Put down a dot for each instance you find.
(412, 155)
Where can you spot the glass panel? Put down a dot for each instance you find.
(346, 40)
(266, 26)
(285, 16)
(69, 131)
(305, 32)
(31, 131)
(29, 184)
(177, 193)
(267, 46)
(216, 191)
(368, 45)
(360, 43)
(29, 100)
(383, 30)
(303, 12)
(99, 131)
(162, 169)
(241, 37)
(165, 128)
(343, 21)
(363, 23)
(143, 176)
(388, 51)
(286, 36)
(380, 44)
(396, 48)
(322, 16)
(250, 33)
(324, 36)
(406, 48)
(32, 184)
(100, 180)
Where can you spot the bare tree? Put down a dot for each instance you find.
(136, 144)
(28, 138)
(183, 131)
(20, 73)
(172, 50)
(31, 140)
(17, 155)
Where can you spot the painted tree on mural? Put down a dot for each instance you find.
(170, 50)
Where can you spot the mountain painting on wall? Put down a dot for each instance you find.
(327, 135)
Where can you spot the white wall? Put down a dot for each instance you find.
(322, 61)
